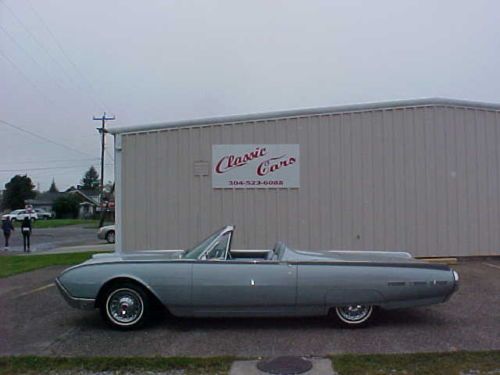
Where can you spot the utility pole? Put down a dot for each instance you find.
(102, 130)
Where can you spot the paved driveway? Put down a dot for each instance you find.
(36, 320)
(50, 238)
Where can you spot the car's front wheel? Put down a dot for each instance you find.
(125, 306)
(354, 315)
(110, 236)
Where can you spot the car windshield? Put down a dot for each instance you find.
(195, 252)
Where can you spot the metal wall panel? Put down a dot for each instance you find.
(425, 179)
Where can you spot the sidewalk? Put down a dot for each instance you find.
(80, 249)
(63, 249)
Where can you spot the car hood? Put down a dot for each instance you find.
(135, 256)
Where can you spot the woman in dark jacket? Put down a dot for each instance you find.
(7, 229)
(26, 230)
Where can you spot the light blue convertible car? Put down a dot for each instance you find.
(213, 280)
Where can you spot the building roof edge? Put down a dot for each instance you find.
(306, 112)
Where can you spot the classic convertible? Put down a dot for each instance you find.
(211, 279)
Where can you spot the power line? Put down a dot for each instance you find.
(45, 168)
(32, 83)
(42, 137)
(35, 61)
(11, 37)
(49, 161)
(66, 55)
(33, 37)
(42, 46)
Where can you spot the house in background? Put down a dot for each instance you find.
(89, 206)
(44, 200)
(89, 201)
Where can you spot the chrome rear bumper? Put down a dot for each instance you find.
(77, 303)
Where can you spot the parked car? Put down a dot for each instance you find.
(211, 279)
(44, 215)
(107, 233)
(19, 215)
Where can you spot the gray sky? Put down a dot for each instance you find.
(61, 62)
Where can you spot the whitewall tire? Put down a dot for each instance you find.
(126, 306)
(355, 315)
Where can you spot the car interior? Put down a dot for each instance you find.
(275, 254)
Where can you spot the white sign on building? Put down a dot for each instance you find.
(255, 166)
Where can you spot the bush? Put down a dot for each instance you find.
(67, 206)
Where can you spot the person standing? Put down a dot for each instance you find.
(26, 230)
(7, 228)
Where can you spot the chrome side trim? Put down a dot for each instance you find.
(435, 266)
(456, 278)
(77, 303)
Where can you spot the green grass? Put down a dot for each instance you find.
(56, 223)
(453, 363)
(45, 365)
(14, 264)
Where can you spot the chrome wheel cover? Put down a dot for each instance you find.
(124, 307)
(354, 314)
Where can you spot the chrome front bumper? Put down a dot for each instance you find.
(77, 303)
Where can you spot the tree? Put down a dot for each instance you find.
(67, 206)
(53, 188)
(17, 191)
(90, 180)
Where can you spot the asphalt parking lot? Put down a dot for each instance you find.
(44, 239)
(36, 320)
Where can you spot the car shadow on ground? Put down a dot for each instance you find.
(160, 320)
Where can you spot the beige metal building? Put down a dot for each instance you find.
(420, 175)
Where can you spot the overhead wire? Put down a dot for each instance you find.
(18, 45)
(7, 123)
(45, 168)
(99, 103)
(44, 48)
(66, 55)
(50, 161)
(26, 78)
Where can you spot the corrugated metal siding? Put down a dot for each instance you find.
(423, 179)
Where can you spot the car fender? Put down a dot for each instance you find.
(338, 297)
(127, 276)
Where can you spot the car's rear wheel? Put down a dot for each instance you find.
(354, 315)
(125, 306)
(13, 220)
(110, 236)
